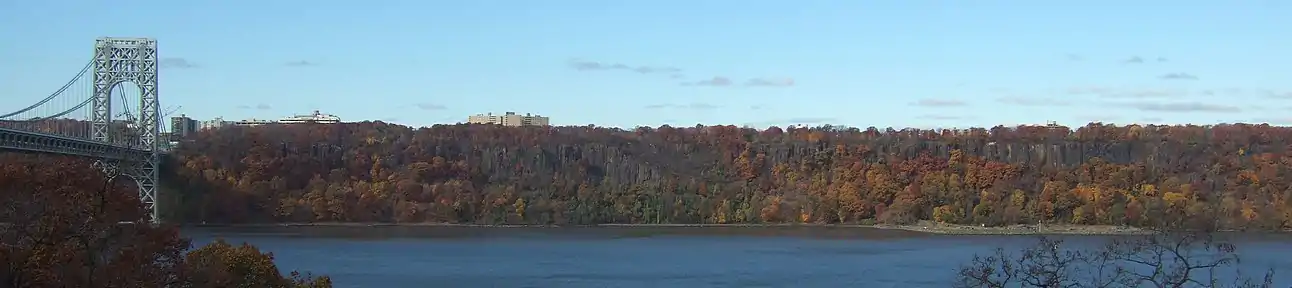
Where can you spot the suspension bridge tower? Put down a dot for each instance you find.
(119, 60)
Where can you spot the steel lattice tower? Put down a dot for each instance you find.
(119, 60)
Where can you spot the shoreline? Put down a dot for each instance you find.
(925, 228)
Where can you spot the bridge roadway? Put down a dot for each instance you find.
(26, 141)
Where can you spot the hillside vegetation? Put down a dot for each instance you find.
(64, 224)
(1233, 175)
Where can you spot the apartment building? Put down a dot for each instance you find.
(213, 123)
(181, 127)
(508, 119)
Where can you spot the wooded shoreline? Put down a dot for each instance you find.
(928, 228)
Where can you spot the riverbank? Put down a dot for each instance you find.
(926, 227)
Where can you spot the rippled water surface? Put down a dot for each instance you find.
(629, 257)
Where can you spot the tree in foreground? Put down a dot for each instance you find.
(64, 224)
(1174, 255)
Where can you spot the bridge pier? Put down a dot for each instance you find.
(145, 176)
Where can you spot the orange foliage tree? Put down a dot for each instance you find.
(63, 224)
(378, 172)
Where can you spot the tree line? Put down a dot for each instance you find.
(1234, 175)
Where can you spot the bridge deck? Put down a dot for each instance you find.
(11, 139)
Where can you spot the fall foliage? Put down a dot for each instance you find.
(483, 174)
(63, 224)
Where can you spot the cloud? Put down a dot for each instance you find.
(1146, 93)
(257, 107)
(930, 102)
(1125, 93)
(755, 107)
(770, 82)
(810, 120)
(1275, 94)
(1184, 107)
(1178, 76)
(1097, 118)
(177, 63)
(1142, 60)
(653, 70)
(429, 106)
(715, 81)
(943, 117)
(693, 106)
(1074, 57)
(1272, 120)
(1024, 101)
(301, 63)
(584, 65)
(1089, 90)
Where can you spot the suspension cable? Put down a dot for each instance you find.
(55, 94)
(69, 111)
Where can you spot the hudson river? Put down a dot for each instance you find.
(651, 257)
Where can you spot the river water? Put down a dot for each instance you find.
(656, 257)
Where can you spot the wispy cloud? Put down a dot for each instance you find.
(257, 107)
(1147, 93)
(693, 106)
(1141, 60)
(943, 117)
(1178, 76)
(176, 63)
(1184, 107)
(301, 63)
(1074, 57)
(931, 102)
(1125, 93)
(770, 82)
(715, 81)
(585, 65)
(1273, 120)
(810, 120)
(1028, 101)
(1277, 94)
(1097, 118)
(430, 106)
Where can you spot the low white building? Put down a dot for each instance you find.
(316, 117)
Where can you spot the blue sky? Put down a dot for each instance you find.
(629, 63)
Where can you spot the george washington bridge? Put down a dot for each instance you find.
(77, 119)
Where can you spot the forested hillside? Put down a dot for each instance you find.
(377, 172)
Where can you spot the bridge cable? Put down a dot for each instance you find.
(69, 111)
(55, 94)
